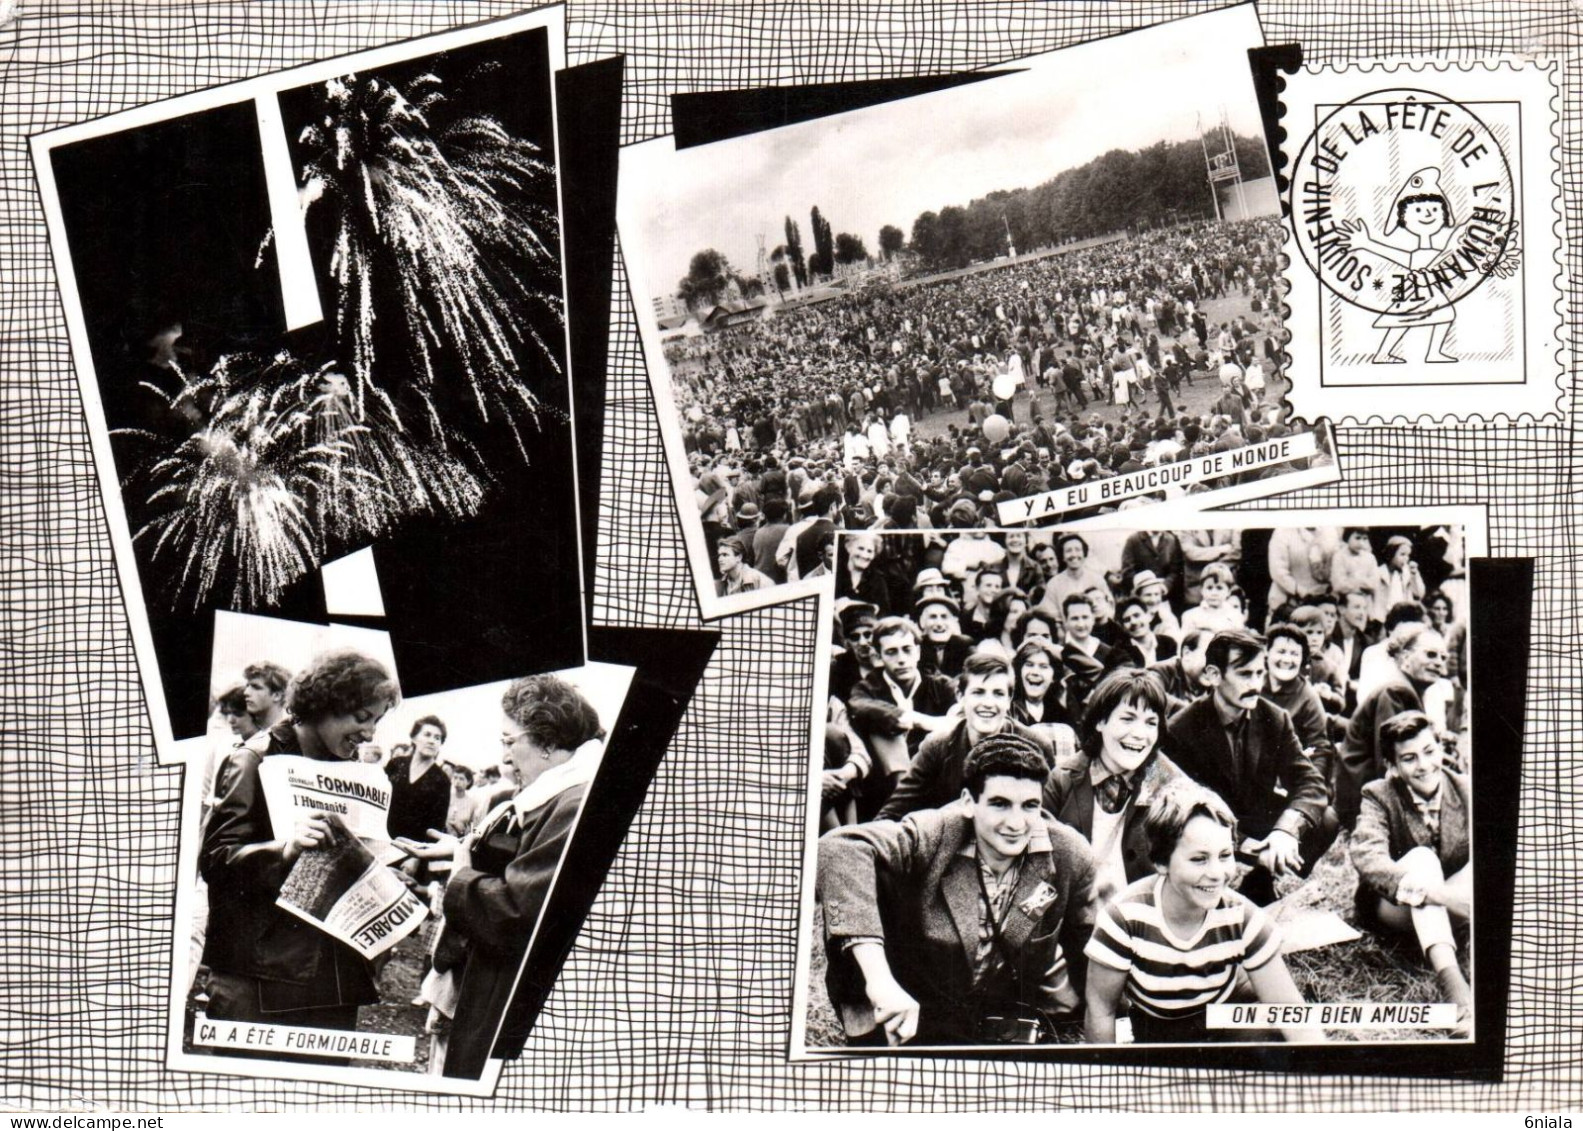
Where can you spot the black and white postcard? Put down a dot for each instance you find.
(363, 875)
(1148, 787)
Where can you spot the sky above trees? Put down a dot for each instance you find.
(888, 164)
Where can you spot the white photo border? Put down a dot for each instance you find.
(1474, 521)
(189, 841)
(644, 164)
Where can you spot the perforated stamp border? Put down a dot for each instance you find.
(1528, 388)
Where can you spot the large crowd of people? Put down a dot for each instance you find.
(1066, 775)
(480, 849)
(1068, 367)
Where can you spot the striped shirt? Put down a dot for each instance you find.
(1173, 977)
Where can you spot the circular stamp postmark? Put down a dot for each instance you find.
(1403, 203)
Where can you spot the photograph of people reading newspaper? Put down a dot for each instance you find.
(1052, 281)
(263, 962)
(372, 866)
(1096, 786)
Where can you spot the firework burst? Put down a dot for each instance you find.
(276, 470)
(411, 478)
(449, 234)
(233, 500)
(453, 227)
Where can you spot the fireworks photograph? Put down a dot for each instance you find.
(1033, 284)
(322, 315)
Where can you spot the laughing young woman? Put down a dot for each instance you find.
(1036, 697)
(1106, 787)
(1177, 942)
(265, 964)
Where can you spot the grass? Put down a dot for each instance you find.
(1373, 968)
(1370, 969)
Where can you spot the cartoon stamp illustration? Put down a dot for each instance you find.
(1410, 207)
(1422, 211)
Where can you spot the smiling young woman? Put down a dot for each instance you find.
(1174, 943)
(1105, 789)
(267, 965)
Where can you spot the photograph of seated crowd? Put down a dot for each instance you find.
(483, 832)
(921, 403)
(1075, 777)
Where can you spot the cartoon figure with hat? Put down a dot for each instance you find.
(1422, 211)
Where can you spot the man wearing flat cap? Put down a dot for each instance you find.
(943, 649)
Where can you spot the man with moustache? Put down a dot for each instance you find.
(935, 776)
(960, 925)
(1245, 748)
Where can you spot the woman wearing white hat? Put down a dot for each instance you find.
(1421, 210)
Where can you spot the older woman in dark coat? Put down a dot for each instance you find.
(503, 875)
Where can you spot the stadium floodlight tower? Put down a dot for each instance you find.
(1221, 164)
(765, 272)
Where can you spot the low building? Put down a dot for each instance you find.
(737, 312)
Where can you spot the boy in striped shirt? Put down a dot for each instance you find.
(1175, 941)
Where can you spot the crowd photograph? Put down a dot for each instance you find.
(482, 789)
(927, 408)
(1038, 311)
(1083, 787)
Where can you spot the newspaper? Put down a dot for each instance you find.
(344, 888)
(357, 792)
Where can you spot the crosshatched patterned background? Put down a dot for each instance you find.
(679, 988)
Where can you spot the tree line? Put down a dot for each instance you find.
(1119, 190)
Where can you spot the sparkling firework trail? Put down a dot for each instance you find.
(233, 498)
(456, 229)
(277, 470)
(450, 235)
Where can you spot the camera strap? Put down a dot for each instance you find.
(999, 939)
